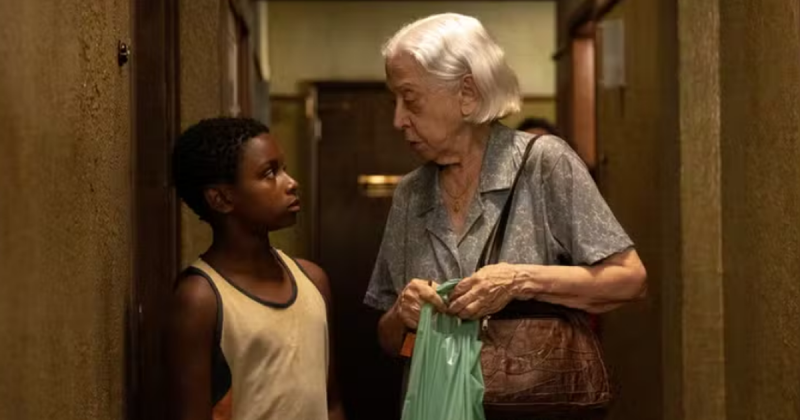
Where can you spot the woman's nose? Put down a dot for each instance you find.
(400, 116)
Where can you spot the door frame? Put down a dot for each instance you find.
(155, 123)
(583, 106)
(577, 71)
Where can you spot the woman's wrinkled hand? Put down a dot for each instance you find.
(486, 292)
(417, 292)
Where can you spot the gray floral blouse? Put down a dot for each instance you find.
(557, 217)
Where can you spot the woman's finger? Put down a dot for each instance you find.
(463, 287)
(411, 293)
(471, 311)
(459, 304)
(410, 322)
(428, 294)
(410, 314)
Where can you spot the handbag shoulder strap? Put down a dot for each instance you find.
(491, 251)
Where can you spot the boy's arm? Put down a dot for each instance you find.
(320, 279)
(190, 337)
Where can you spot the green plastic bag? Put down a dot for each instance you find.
(446, 382)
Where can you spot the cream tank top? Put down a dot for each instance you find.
(270, 360)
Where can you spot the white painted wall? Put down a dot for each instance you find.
(341, 40)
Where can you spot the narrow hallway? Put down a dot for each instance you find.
(684, 111)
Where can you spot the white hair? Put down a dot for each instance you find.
(450, 46)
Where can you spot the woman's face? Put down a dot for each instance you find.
(429, 115)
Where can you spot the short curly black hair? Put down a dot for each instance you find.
(208, 153)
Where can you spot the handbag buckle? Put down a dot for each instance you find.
(485, 323)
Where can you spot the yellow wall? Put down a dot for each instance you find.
(341, 40)
(65, 209)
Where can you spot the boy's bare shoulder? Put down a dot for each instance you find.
(194, 296)
(317, 276)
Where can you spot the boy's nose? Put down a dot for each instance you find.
(292, 185)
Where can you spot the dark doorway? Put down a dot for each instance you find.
(357, 159)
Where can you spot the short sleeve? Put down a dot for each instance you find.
(381, 292)
(578, 216)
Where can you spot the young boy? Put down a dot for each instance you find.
(248, 327)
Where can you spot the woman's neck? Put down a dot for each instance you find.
(468, 151)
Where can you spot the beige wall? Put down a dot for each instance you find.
(313, 40)
(694, 361)
(760, 150)
(65, 209)
(740, 137)
(201, 75)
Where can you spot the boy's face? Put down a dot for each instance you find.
(264, 196)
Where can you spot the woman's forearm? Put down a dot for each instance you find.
(618, 279)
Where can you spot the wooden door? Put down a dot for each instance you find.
(156, 258)
(355, 140)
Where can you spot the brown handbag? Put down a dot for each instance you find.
(537, 357)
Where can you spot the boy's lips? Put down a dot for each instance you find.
(295, 205)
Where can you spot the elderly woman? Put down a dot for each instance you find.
(562, 244)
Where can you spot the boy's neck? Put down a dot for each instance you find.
(243, 254)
